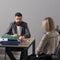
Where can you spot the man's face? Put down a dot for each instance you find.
(18, 19)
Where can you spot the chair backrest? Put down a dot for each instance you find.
(58, 51)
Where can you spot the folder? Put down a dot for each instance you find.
(10, 42)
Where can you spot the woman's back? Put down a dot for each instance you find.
(48, 43)
(51, 43)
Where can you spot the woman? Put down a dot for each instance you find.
(49, 41)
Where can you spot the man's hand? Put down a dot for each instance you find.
(21, 38)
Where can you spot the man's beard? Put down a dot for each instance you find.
(18, 23)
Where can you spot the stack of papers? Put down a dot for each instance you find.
(9, 40)
(3, 39)
(9, 37)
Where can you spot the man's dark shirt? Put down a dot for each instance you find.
(13, 29)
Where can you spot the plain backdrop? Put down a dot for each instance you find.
(34, 11)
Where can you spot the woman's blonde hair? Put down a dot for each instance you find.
(49, 25)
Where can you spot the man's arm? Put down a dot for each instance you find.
(9, 30)
(27, 32)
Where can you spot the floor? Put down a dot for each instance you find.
(2, 57)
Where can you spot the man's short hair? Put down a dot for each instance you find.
(18, 14)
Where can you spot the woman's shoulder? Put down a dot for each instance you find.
(45, 35)
(50, 34)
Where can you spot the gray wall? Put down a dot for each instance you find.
(33, 12)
